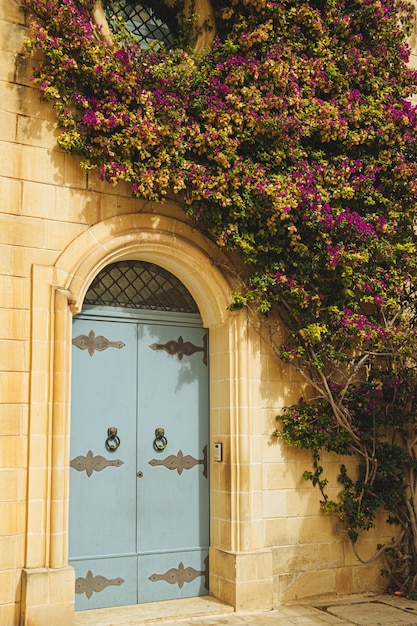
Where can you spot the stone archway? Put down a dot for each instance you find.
(58, 293)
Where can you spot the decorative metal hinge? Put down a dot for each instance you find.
(91, 463)
(182, 348)
(91, 584)
(92, 343)
(180, 575)
(180, 462)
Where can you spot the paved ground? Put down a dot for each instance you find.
(381, 610)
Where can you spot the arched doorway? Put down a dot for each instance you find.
(237, 552)
(139, 492)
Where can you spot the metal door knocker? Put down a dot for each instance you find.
(112, 441)
(160, 441)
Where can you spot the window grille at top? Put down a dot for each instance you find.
(150, 25)
(140, 285)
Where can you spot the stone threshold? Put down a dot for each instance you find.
(153, 612)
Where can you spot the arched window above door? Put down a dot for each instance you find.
(156, 22)
(151, 26)
(140, 285)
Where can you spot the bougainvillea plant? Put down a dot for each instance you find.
(291, 140)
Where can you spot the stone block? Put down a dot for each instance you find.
(79, 206)
(8, 127)
(9, 613)
(74, 175)
(287, 587)
(31, 163)
(11, 195)
(293, 559)
(8, 551)
(11, 418)
(367, 578)
(227, 592)
(274, 503)
(318, 529)
(331, 554)
(13, 451)
(60, 235)
(7, 65)
(21, 259)
(24, 64)
(221, 508)
(9, 485)
(8, 519)
(277, 476)
(12, 34)
(36, 132)
(15, 387)
(23, 232)
(242, 576)
(281, 532)
(253, 596)
(273, 450)
(345, 583)
(316, 584)
(222, 564)
(366, 547)
(39, 200)
(7, 586)
(226, 532)
(14, 356)
(11, 12)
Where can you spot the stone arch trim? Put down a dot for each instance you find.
(172, 244)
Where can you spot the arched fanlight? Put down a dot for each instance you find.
(155, 23)
(139, 285)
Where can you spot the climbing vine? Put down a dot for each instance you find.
(290, 140)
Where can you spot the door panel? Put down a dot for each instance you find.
(105, 499)
(102, 582)
(141, 510)
(173, 575)
(176, 400)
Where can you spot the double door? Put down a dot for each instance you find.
(139, 489)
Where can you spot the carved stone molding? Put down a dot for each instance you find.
(92, 343)
(181, 348)
(180, 462)
(94, 584)
(91, 463)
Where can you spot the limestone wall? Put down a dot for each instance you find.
(270, 541)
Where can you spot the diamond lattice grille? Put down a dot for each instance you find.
(139, 285)
(142, 21)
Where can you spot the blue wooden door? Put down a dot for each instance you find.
(139, 493)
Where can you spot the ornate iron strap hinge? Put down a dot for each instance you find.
(91, 463)
(92, 343)
(181, 348)
(91, 584)
(180, 575)
(180, 462)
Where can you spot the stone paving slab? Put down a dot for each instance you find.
(381, 610)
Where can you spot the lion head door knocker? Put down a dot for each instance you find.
(160, 442)
(112, 441)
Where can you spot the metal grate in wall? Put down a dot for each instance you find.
(140, 285)
(142, 21)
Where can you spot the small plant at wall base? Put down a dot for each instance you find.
(292, 141)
